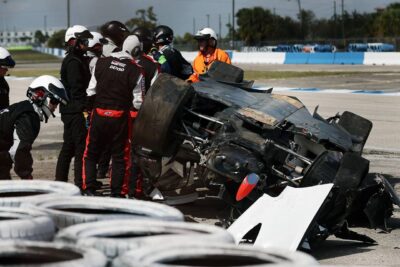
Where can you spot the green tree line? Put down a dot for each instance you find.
(257, 25)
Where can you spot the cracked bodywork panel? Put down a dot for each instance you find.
(223, 133)
(257, 116)
(284, 219)
(269, 111)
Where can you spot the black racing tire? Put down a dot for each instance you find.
(159, 114)
(352, 171)
(358, 127)
(116, 237)
(15, 192)
(210, 254)
(323, 170)
(26, 224)
(44, 254)
(68, 211)
(339, 205)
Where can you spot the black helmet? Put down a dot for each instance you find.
(145, 37)
(163, 35)
(116, 31)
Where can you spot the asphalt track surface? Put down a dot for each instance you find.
(382, 148)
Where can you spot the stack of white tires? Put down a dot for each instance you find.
(45, 223)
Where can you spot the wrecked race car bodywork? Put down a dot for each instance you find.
(219, 131)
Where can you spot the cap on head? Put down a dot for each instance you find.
(132, 45)
(6, 60)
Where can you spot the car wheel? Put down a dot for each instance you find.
(323, 170)
(160, 113)
(352, 170)
(358, 127)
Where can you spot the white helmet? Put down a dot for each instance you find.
(6, 60)
(44, 90)
(132, 45)
(205, 33)
(77, 32)
(96, 39)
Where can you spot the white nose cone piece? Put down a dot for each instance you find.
(284, 219)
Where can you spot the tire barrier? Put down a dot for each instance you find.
(296, 58)
(66, 211)
(349, 58)
(15, 192)
(27, 224)
(210, 254)
(341, 58)
(321, 58)
(35, 254)
(113, 238)
(258, 58)
(389, 58)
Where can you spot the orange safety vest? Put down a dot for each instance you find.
(202, 63)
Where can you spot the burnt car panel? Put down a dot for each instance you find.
(271, 110)
(319, 131)
(236, 133)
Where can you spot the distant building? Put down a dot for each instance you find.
(11, 38)
(19, 38)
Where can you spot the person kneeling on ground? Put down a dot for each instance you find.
(20, 125)
(208, 53)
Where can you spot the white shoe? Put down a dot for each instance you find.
(156, 194)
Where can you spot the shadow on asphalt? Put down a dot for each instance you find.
(204, 208)
(337, 248)
(51, 146)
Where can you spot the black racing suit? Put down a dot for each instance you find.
(177, 64)
(104, 162)
(119, 86)
(75, 76)
(4, 93)
(151, 71)
(19, 127)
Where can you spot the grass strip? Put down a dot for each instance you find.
(34, 72)
(31, 56)
(257, 75)
(249, 75)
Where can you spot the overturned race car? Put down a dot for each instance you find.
(242, 143)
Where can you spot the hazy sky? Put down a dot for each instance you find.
(179, 14)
